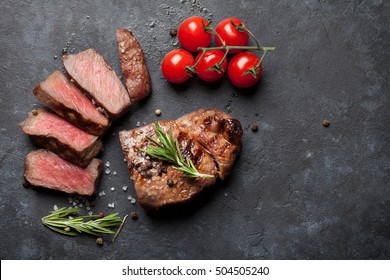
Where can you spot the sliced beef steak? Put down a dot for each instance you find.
(135, 72)
(157, 183)
(64, 98)
(61, 137)
(92, 73)
(218, 132)
(43, 168)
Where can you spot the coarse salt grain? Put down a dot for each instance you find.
(90, 213)
(108, 171)
(112, 188)
(102, 193)
(114, 173)
(55, 207)
(129, 197)
(88, 208)
(124, 188)
(107, 164)
(133, 201)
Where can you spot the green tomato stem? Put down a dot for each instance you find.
(260, 48)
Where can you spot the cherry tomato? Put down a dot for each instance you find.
(208, 68)
(232, 31)
(192, 33)
(174, 66)
(243, 71)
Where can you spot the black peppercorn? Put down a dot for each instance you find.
(254, 127)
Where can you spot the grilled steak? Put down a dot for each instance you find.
(45, 169)
(61, 137)
(157, 183)
(64, 98)
(210, 137)
(92, 73)
(134, 70)
(218, 132)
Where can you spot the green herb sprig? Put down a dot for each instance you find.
(167, 149)
(62, 221)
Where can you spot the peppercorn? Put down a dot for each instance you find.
(101, 214)
(173, 32)
(170, 182)
(254, 127)
(134, 215)
(99, 241)
(164, 169)
(34, 112)
(92, 203)
(157, 112)
(326, 123)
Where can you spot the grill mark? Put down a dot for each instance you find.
(231, 130)
(200, 152)
(207, 122)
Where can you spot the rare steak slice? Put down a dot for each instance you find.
(157, 183)
(43, 168)
(59, 94)
(134, 70)
(218, 132)
(61, 137)
(92, 73)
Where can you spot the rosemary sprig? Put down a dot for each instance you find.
(167, 149)
(62, 221)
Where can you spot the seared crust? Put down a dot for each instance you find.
(134, 69)
(158, 184)
(211, 138)
(218, 132)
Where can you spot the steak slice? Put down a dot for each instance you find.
(43, 168)
(218, 132)
(134, 70)
(64, 98)
(61, 137)
(92, 73)
(157, 183)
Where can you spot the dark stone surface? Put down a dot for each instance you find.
(299, 190)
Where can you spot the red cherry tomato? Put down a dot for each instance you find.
(232, 32)
(174, 66)
(208, 68)
(243, 71)
(193, 35)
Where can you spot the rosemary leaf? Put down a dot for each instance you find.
(167, 149)
(60, 219)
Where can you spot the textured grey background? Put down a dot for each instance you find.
(298, 191)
